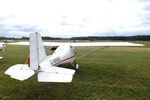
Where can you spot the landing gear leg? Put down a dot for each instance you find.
(75, 65)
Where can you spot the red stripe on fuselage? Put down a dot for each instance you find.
(65, 60)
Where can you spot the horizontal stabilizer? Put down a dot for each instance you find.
(56, 74)
(20, 72)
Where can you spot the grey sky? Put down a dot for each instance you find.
(70, 18)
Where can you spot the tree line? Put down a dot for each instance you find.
(92, 38)
(130, 38)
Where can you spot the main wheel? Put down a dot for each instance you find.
(77, 66)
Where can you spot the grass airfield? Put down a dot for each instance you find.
(114, 73)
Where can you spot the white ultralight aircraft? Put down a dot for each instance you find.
(47, 66)
(2, 46)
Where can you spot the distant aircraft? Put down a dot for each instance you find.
(2, 46)
(46, 67)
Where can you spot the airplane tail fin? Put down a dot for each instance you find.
(37, 51)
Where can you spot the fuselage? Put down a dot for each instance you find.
(63, 54)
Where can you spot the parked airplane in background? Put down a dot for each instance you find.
(2, 46)
(47, 66)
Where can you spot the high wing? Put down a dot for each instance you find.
(82, 43)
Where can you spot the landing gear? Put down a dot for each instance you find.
(75, 66)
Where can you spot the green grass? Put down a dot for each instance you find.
(114, 73)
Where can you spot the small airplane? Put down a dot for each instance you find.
(46, 66)
(2, 48)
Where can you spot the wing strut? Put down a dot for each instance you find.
(96, 50)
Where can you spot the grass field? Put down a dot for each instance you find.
(114, 73)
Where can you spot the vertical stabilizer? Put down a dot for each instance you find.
(37, 51)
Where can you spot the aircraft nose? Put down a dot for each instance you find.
(4, 45)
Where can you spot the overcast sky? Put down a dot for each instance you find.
(70, 18)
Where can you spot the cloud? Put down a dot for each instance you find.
(86, 20)
(145, 1)
(65, 24)
(10, 27)
(65, 18)
(146, 22)
(146, 6)
(18, 30)
(26, 28)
